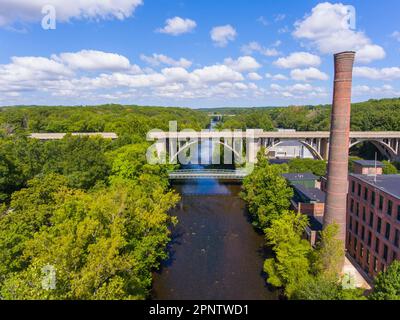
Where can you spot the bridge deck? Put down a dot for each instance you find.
(207, 174)
(274, 134)
(59, 136)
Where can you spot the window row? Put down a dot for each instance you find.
(361, 231)
(371, 197)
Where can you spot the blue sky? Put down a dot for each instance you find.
(195, 53)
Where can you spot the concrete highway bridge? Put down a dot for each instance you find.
(58, 136)
(318, 142)
(387, 142)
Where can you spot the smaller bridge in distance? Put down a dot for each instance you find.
(58, 136)
(195, 174)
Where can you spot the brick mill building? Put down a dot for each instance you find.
(373, 219)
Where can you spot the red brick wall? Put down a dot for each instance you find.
(356, 244)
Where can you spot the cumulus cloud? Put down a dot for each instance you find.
(23, 69)
(242, 64)
(298, 91)
(308, 74)
(329, 30)
(217, 73)
(254, 76)
(221, 35)
(177, 25)
(31, 10)
(376, 73)
(298, 59)
(254, 46)
(160, 59)
(94, 60)
(70, 77)
(375, 91)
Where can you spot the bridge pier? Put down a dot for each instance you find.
(253, 144)
(324, 151)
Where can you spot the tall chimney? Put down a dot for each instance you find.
(337, 184)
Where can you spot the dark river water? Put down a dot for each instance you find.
(215, 252)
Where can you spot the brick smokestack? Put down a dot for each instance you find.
(337, 184)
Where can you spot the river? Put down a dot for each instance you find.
(215, 253)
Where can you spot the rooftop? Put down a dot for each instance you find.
(368, 163)
(299, 176)
(311, 194)
(316, 223)
(388, 183)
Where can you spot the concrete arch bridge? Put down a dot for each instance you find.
(318, 142)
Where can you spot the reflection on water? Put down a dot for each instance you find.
(204, 187)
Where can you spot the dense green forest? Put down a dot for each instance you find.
(90, 209)
(126, 121)
(372, 115)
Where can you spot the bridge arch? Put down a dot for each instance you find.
(317, 155)
(384, 148)
(187, 145)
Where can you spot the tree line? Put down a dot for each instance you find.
(371, 115)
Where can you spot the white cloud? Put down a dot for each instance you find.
(177, 25)
(383, 91)
(254, 46)
(278, 76)
(25, 69)
(31, 10)
(242, 64)
(217, 73)
(376, 73)
(298, 91)
(329, 30)
(159, 59)
(298, 59)
(308, 74)
(69, 79)
(94, 60)
(369, 53)
(221, 35)
(254, 76)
